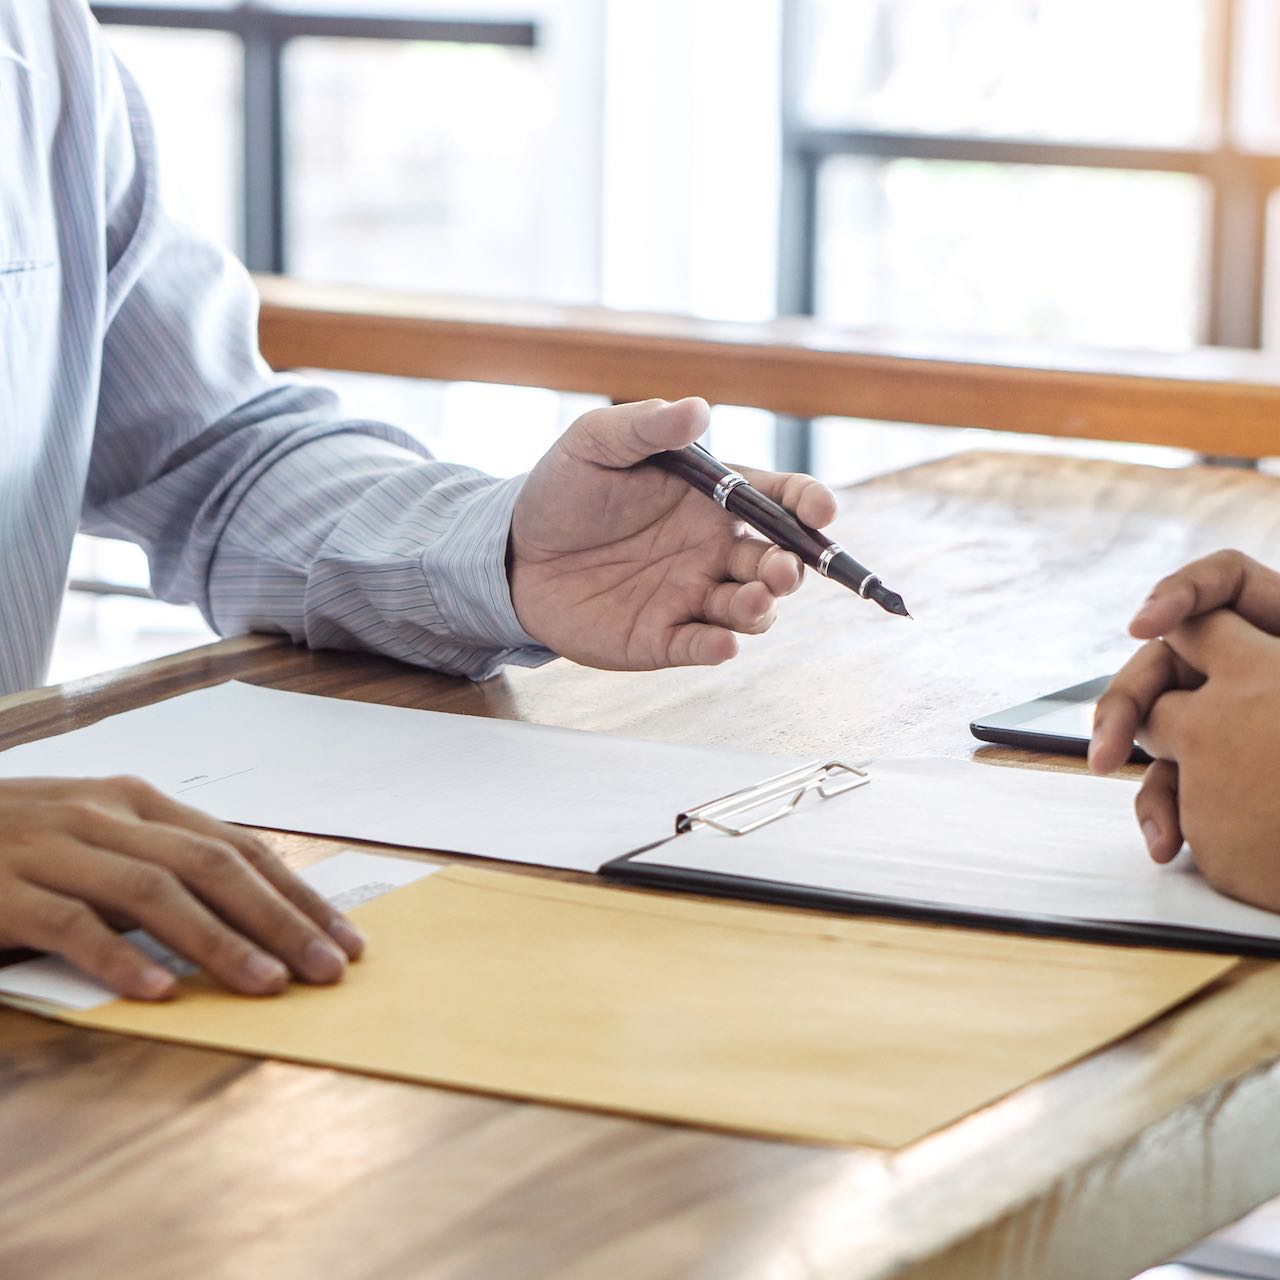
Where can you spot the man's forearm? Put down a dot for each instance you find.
(354, 542)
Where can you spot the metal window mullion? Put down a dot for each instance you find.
(797, 285)
(797, 234)
(263, 148)
(983, 150)
(1238, 211)
(287, 23)
(1237, 251)
(798, 224)
(353, 25)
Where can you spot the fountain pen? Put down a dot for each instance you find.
(708, 475)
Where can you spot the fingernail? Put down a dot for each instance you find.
(154, 983)
(347, 936)
(1150, 833)
(322, 961)
(264, 971)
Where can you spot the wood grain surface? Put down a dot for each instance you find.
(125, 1158)
(1214, 400)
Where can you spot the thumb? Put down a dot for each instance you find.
(625, 434)
(1220, 639)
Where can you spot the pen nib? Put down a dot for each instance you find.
(889, 601)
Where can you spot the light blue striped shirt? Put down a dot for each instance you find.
(134, 403)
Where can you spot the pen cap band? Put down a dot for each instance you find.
(827, 556)
(824, 567)
(725, 486)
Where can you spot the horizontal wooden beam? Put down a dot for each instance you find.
(1213, 400)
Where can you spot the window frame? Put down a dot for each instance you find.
(264, 32)
(1240, 184)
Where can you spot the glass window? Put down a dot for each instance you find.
(417, 165)
(1255, 91)
(192, 83)
(499, 429)
(1111, 258)
(1105, 71)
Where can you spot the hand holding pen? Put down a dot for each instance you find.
(615, 562)
(733, 492)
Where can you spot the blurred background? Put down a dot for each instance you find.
(1092, 171)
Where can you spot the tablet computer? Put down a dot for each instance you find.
(1061, 722)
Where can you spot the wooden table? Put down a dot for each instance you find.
(125, 1158)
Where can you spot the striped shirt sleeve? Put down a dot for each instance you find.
(253, 496)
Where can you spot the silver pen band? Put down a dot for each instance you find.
(726, 485)
(825, 559)
(865, 584)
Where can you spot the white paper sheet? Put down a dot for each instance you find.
(346, 880)
(982, 838)
(423, 779)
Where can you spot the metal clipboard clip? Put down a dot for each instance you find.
(731, 814)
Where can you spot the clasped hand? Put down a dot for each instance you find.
(1202, 696)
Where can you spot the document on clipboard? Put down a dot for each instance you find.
(947, 840)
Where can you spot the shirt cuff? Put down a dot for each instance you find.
(466, 573)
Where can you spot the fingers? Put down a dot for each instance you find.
(157, 807)
(1153, 670)
(748, 608)
(752, 559)
(1227, 579)
(1156, 806)
(808, 499)
(161, 903)
(622, 435)
(1139, 702)
(83, 855)
(1221, 640)
(699, 644)
(216, 874)
(35, 917)
(301, 895)
(1168, 726)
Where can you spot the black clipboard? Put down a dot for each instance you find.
(771, 800)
